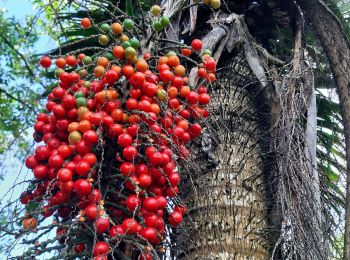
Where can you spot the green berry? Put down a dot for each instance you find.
(81, 102)
(157, 26)
(135, 43)
(128, 24)
(87, 60)
(105, 27)
(126, 44)
(79, 94)
(164, 21)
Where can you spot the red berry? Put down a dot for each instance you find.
(130, 226)
(130, 153)
(83, 168)
(149, 233)
(56, 161)
(150, 204)
(31, 162)
(124, 140)
(82, 187)
(91, 212)
(64, 175)
(102, 225)
(132, 202)
(101, 248)
(175, 218)
(45, 62)
(90, 137)
(197, 45)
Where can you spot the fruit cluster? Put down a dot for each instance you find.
(115, 129)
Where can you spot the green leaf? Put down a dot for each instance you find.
(129, 8)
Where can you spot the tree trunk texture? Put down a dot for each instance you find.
(337, 48)
(225, 193)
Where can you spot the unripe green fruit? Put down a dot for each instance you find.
(135, 43)
(164, 21)
(128, 24)
(81, 102)
(126, 44)
(105, 27)
(87, 60)
(157, 26)
(79, 94)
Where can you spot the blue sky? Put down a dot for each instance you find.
(12, 167)
(20, 9)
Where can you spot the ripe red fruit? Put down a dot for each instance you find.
(90, 137)
(82, 147)
(111, 76)
(145, 256)
(132, 104)
(130, 153)
(145, 180)
(91, 212)
(83, 168)
(142, 169)
(166, 75)
(101, 248)
(203, 99)
(195, 130)
(79, 248)
(130, 226)
(102, 225)
(59, 111)
(90, 158)
(156, 158)
(192, 97)
(82, 187)
(174, 179)
(58, 92)
(186, 52)
(64, 175)
(116, 230)
(210, 65)
(68, 101)
(132, 202)
(150, 204)
(56, 161)
(94, 196)
(85, 23)
(71, 61)
(41, 172)
(127, 168)
(45, 62)
(151, 220)
(31, 162)
(124, 140)
(42, 152)
(197, 45)
(67, 187)
(175, 218)
(162, 202)
(149, 233)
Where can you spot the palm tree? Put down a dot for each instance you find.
(259, 185)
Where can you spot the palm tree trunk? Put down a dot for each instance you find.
(226, 195)
(337, 48)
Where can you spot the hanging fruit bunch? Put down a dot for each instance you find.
(116, 127)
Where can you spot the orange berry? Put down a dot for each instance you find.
(117, 28)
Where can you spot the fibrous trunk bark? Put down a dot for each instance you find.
(337, 48)
(226, 197)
